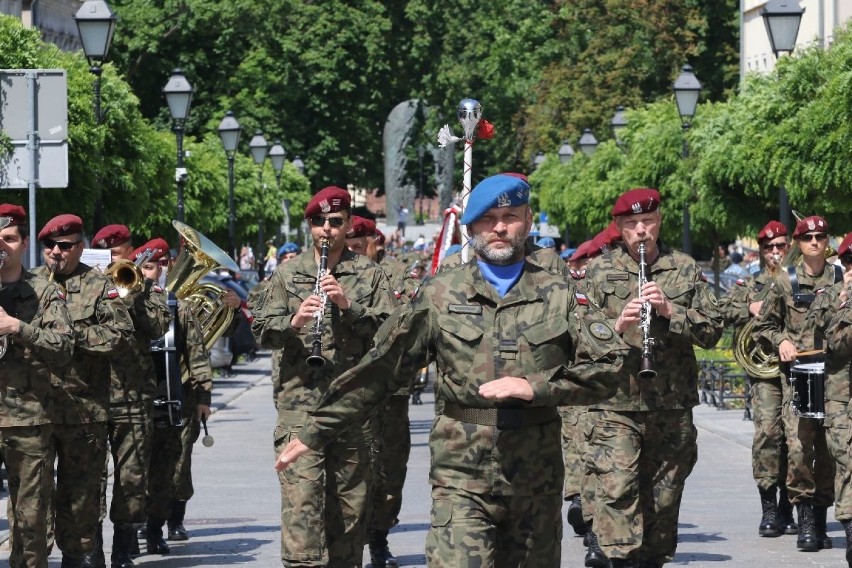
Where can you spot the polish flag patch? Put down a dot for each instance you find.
(112, 293)
(581, 299)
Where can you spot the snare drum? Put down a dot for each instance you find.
(808, 383)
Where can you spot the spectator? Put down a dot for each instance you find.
(402, 219)
(546, 242)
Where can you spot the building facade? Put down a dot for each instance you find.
(54, 18)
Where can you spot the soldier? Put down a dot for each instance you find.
(82, 390)
(830, 317)
(782, 324)
(512, 341)
(642, 443)
(133, 384)
(37, 334)
(355, 300)
(769, 446)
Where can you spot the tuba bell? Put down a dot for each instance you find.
(754, 358)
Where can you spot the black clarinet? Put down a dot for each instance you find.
(647, 371)
(316, 359)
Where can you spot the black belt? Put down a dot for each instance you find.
(502, 418)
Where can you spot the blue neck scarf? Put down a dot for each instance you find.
(501, 277)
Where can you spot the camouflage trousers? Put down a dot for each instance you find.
(469, 530)
(573, 443)
(182, 489)
(80, 448)
(391, 448)
(166, 449)
(839, 435)
(324, 498)
(641, 461)
(769, 445)
(29, 456)
(130, 449)
(810, 467)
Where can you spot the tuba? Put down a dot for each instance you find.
(198, 256)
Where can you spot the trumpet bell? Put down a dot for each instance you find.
(126, 276)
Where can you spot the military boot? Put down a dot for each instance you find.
(122, 537)
(154, 537)
(595, 557)
(807, 541)
(622, 563)
(575, 517)
(68, 562)
(380, 555)
(786, 523)
(176, 530)
(769, 520)
(820, 514)
(847, 528)
(96, 559)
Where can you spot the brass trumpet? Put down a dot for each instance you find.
(126, 274)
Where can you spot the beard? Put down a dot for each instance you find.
(499, 257)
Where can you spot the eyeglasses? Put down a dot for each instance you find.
(319, 221)
(769, 246)
(808, 238)
(63, 245)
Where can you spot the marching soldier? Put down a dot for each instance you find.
(512, 341)
(642, 443)
(353, 299)
(782, 324)
(37, 336)
(133, 384)
(82, 390)
(769, 446)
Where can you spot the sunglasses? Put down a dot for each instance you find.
(808, 238)
(770, 246)
(63, 245)
(319, 221)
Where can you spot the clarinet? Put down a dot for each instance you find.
(647, 371)
(316, 359)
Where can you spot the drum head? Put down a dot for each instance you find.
(808, 368)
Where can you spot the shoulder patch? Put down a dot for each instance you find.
(464, 309)
(843, 305)
(820, 291)
(157, 288)
(740, 282)
(703, 278)
(600, 330)
(112, 293)
(60, 293)
(613, 277)
(581, 298)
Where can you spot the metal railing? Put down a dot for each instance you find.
(721, 381)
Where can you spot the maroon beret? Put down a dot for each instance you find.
(812, 224)
(582, 251)
(111, 236)
(328, 200)
(380, 238)
(361, 227)
(772, 230)
(845, 246)
(635, 201)
(61, 225)
(158, 246)
(17, 215)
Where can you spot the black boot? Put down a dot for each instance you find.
(154, 537)
(122, 537)
(415, 397)
(595, 558)
(176, 530)
(621, 563)
(380, 555)
(847, 528)
(807, 541)
(68, 562)
(134, 542)
(96, 559)
(575, 516)
(820, 513)
(786, 523)
(769, 520)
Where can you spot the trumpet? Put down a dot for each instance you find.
(316, 359)
(4, 339)
(126, 274)
(647, 371)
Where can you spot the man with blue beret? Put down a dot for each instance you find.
(546, 242)
(513, 340)
(288, 251)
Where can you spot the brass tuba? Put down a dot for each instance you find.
(198, 256)
(754, 358)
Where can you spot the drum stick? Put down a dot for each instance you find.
(207, 440)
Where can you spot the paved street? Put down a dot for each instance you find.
(233, 518)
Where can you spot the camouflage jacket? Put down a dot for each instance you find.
(612, 280)
(346, 335)
(403, 285)
(198, 389)
(542, 330)
(734, 305)
(830, 322)
(784, 317)
(44, 342)
(101, 323)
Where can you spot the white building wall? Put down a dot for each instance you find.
(54, 18)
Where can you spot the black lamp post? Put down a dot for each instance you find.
(538, 160)
(277, 155)
(566, 152)
(686, 90)
(259, 149)
(178, 94)
(229, 133)
(588, 143)
(618, 124)
(96, 24)
(421, 151)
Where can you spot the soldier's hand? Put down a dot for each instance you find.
(293, 451)
(507, 387)
(306, 311)
(661, 304)
(787, 351)
(847, 284)
(230, 299)
(335, 292)
(754, 308)
(8, 324)
(202, 411)
(629, 317)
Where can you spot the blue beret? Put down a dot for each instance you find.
(287, 248)
(546, 242)
(502, 190)
(565, 254)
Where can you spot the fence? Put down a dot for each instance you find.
(723, 384)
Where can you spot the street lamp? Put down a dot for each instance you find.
(229, 133)
(421, 151)
(538, 160)
(96, 24)
(782, 19)
(686, 90)
(178, 94)
(277, 155)
(566, 152)
(299, 165)
(588, 143)
(618, 124)
(259, 149)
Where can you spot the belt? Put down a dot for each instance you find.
(502, 418)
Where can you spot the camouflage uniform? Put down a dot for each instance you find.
(642, 442)
(810, 473)
(496, 471)
(316, 530)
(44, 342)
(81, 401)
